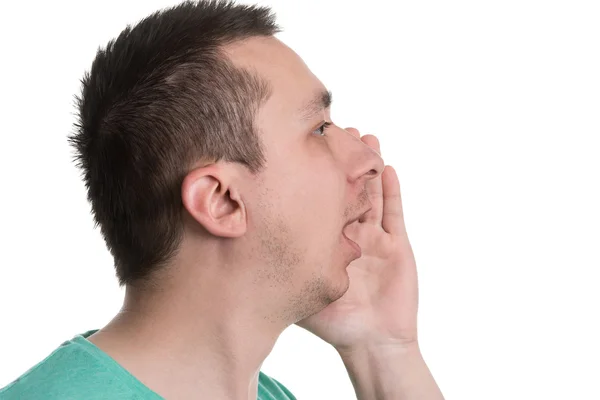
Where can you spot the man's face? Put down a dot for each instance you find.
(311, 187)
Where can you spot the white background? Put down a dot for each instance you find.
(490, 112)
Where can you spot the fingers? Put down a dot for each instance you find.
(372, 142)
(374, 187)
(354, 132)
(393, 214)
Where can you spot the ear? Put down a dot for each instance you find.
(211, 198)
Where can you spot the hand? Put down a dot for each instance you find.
(379, 308)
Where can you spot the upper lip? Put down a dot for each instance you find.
(358, 216)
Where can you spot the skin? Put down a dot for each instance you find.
(260, 252)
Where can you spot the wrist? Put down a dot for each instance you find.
(395, 350)
(389, 372)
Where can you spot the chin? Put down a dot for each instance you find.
(338, 284)
(325, 287)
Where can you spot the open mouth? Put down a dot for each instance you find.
(354, 245)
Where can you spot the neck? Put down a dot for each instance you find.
(209, 339)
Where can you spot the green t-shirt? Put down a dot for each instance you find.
(79, 370)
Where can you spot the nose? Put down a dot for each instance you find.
(359, 160)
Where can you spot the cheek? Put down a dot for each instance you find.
(320, 206)
(310, 193)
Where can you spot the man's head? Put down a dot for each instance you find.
(202, 145)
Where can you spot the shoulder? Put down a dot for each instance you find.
(69, 372)
(270, 388)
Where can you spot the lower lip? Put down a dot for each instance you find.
(354, 245)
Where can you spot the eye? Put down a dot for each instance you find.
(321, 129)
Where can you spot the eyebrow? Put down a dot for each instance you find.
(321, 101)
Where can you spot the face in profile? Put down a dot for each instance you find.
(313, 183)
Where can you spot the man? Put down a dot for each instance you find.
(228, 199)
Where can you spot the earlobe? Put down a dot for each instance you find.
(213, 202)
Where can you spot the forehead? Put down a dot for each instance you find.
(291, 80)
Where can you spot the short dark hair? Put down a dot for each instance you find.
(159, 98)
